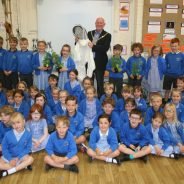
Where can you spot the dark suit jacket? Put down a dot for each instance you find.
(101, 49)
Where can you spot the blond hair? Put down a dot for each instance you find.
(156, 96)
(64, 119)
(108, 85)
(17, 116)
(172, 107)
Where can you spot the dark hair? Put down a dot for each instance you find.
(104, 116)
(53, 76)
(65, 45)
(157, 46)
(13, 39)
(137, 112)
(41, 95)
(130, 100)
(75, 71)
(87, 78)
(23, 39)
(35, 107)
(138, 88)
(108, 100)
(175, 40)
(137, 45)
(72, 98)
(18, 91)
(158, 115)
(181, 78)
(34, 88)
(41, 41)
(118, 47)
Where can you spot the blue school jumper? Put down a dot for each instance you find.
(23, 109)
(11, 148)
(120, 106)
(2, 53)
(113, 96)
(180, 112)
(141, 105)
(48, 114)
(57, 145)
(48, 92)
(124, 118)
(52, 104)
(182, 97)
(135, 136)
(163, 136)
(3, 130)
(76, 124)
(111, 139)
(3, 100)
(58, 110)
(82, 95)
(149, 114)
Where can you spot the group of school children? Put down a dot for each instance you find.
(60, 115)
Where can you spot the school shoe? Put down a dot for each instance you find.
(144, 159)
(124, 157)
(1, 173)
(29, 167)
(175, 156)
(0, 153)
(73, 168)
(48, 167)
(116, 160)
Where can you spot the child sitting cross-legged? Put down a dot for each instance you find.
(61, 147)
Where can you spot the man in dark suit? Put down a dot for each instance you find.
(100, 43)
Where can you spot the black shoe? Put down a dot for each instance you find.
(73, 168)
(124, 157)
(144, 159)
(1, 173)
(116, 160)
(175, 156)
(48, 167)
(29, 167)
(0, 153)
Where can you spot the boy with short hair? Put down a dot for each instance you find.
(174, 66)
(25, 64)
(2, 53)
(134, 138)
(10, 64)
(116, 67)
(61, 147)
(16, 146)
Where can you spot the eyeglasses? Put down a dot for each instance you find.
(135, 118)
(35, 113)
(170, 111)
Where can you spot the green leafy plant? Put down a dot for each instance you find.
(116, 64)
(47, 60)
(56, 61)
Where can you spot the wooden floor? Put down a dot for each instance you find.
(157, 170)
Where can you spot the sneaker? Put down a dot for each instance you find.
(48, 167)
(116, 160)
(73, 168)
(124, 157)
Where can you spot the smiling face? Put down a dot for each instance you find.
(18, 98)
(90, 94)
(18, 125)
(21, 86)
(135, 120)
(72, 76)
(104, 124)
(62, 97)
(23, 45)
(174, 47)
(41, 47)
(40, 100)
(35, 116)
(156, 122)
(71, 106)
(99, 24)
(86, 84)
(5, 118)
(65, 52)
(176, 97)
(137, 51)
(180, 84)
(137, 93)
(156, 103)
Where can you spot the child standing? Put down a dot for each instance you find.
(103, 143)
(61, 147)
(174, 128)
(10, 64)
(67, 65)
(89, 108)
(136, 65)
(2, 53)
(16, 146)
(73, 86)
(156, 103)
(42, 64)
(108, 89)
(174, 66)
(134, 138)
(37, 125)
(155, 69)
(116, 67)
(159, 138)
(25, 63)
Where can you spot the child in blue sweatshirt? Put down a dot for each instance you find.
(134, 138)
(16, 146)
(174, 66)
(180, 87)
(136, 65)
(33, 91)
(103, 143)
(25, 63)
(61, 147)
(3, 99)
(116, 67)
(2, 53)
(10, 65)
(108, 89)
(67, 65)
(156, 103)
(158, 137)
(5, 125)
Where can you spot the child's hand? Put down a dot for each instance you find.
(132, 146)
(90, 44)
(131, 76)
(55, 158)
(98, 152)
(63, 69)
(138, 148)
(13, 162)
(37, 144)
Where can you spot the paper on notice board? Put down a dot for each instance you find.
(155, 1)
(153, 28)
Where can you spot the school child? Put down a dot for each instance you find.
(42, 64)
(158, 137)
(180, 87)
(61, 147)
(108, 106)
(103, 143)
(73, 86)
(155, 69)
(87, 81)
(5, 125)
(53, 81)
(67, 65)
(37, 125)
(176, 100)
(134, 138)
(25, 62)
(9, 97)
(23, 86)
(136, 65)
(89, 108)
(116, 67)
(174, 66)
(126, 92)
(140, 101)
(33, 91)
(108, 89)
(174, 128)
(10, 64)
(41, 100)
(3, 100)
(76, 120)
(156, 106)
(60, 107)
(19, 104)
(53, 100)
(130, 104)
(16, 146)
(2, 53)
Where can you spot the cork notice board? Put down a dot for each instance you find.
(162, 21)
